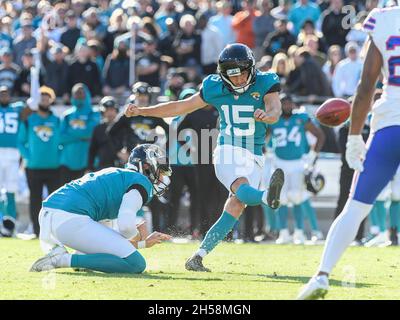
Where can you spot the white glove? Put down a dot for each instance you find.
(355, 152)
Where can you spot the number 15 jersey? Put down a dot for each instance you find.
(237, 125)
(383, 26)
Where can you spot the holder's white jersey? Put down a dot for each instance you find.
(383, 26)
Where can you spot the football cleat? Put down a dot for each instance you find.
(298, 236)
(284, 237)
(275, 187)
(195, 263)
(381, 240)
(316, 236)
(316, 288)
(7, 227)
(49, 261)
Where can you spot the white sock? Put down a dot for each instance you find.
(374, 230)
(201, 252)
(65, 261)
(342, 233)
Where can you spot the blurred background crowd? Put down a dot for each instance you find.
(90, 58)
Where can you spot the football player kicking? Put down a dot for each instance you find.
(290, 145)
(71, 216)
(247, 101)
(376, 162)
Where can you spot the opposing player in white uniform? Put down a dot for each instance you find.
(377, 161)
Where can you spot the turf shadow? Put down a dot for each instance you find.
(166, 276)
(300, 279)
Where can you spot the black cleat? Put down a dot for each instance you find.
(7, 227)
(195, 263)
(275, 186)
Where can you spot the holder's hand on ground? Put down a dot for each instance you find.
(142, 228)
(131, 111)
(267, 117)
(156, 238)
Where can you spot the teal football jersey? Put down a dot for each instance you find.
(99, 194)
(237, 125)
(289, 138)
(9, 123)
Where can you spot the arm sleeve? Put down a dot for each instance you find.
(369, 24)
(130, 205)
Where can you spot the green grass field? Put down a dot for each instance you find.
(240, 271)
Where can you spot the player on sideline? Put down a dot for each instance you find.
(376, 162)
(290, 146)
(247, 100)
(70, 216)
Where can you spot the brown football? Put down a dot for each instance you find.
(333, 112)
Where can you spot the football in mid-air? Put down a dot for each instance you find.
(333, 112)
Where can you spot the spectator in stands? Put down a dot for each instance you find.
(24, 41)
(104, 150)
(279, 40)
(76, 130)
(301, 11)
(84, 70)
(91, 20)
(307, 30)
(165, 44)
(148, 63)
(312, 44)
(5, 38)
(174, 85)
(56, 70)
(8, 70)
(166, 10)
(334, 57)
(281, 11)
(262, 26)
(117, 27)
(264, 64)
(347, 72)
(23, 82)
(150, 28)
(71, 32)
(223, 22)
(307, 78)
(78, 7)
(187, 43)
(280, 66)
(95, 49)
(332, 24)
(38, 142)
(356, 33)
(116, 71)
(242, 23)
(211, 45)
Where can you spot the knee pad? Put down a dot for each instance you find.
(137, 263)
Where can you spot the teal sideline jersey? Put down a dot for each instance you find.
(9, 123)
(38, 141)
(237, 125)
(99, 194)
(289, 138)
